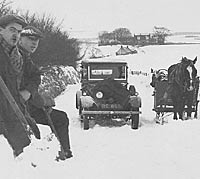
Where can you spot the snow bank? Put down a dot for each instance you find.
(56, 79)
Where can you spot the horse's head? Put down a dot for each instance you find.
(189, 72)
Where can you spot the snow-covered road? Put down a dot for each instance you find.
(169, 151)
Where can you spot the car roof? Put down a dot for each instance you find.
(104, 60)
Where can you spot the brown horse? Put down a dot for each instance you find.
(181, 81)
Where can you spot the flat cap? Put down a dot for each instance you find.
(11, 18)
(31, 31)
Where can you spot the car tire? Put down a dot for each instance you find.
(80, 109)
(78, 95)
(85, 123)
(135, 120)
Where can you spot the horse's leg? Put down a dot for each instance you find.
(189, 112)
(189, 108)
(175, 116)
(175, 110)
(180, 113)
(189, 105)
(181, 108)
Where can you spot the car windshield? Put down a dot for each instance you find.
(103, 71)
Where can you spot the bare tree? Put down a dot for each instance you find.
(160, 33)
(5, 7)
(122, 33)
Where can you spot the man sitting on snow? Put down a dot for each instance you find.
(38, 105)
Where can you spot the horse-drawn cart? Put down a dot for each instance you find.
(163, 103)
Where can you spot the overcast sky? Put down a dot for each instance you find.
(92, 16)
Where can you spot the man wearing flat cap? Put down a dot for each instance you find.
(11, 64)
(31, 31)
(39, 104)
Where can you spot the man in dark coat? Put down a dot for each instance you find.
(38, 105)
(11, 63)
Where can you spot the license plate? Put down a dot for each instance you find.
(111, 106)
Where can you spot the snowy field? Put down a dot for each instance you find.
(169, 151)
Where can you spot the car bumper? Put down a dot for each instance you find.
(110, 112)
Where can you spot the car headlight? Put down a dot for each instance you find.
(99, 95)
(84, 93)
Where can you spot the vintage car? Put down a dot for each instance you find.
(105, 92)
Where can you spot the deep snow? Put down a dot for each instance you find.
(169, 151)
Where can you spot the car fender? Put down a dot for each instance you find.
(87, 101)
(135, 101)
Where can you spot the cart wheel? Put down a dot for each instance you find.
(85, 122)
(159, 118)
(196, 109)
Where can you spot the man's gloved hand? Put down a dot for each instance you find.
(33, 126)
(48, 100)
(25, 94)
(48, 109)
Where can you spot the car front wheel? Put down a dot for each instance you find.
(85, 122)
(135, 120)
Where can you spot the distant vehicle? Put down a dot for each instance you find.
(105, 92)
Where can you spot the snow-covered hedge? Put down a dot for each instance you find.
(56, 78)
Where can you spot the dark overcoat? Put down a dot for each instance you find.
(14, 130)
